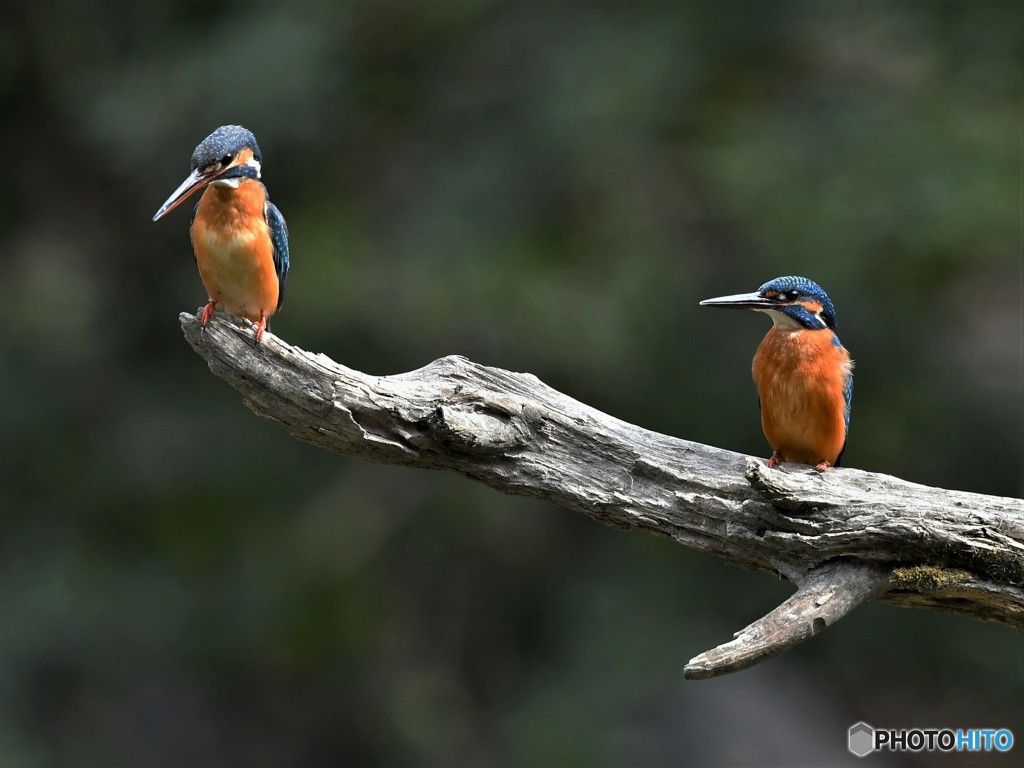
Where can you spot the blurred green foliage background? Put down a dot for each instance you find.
(543, 187)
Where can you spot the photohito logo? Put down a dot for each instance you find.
(863, 739)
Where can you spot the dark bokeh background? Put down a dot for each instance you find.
(546, 189)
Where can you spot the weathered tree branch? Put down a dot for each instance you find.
(842, 537)
(825, 595)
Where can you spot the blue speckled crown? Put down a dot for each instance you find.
(228, 139)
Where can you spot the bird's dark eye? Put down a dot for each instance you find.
(226, 160)
(792, 295)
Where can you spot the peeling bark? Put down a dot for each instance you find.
(841, 537)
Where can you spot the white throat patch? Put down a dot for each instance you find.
(780, 319)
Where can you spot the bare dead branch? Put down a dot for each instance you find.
(842, 537)
(824, 596)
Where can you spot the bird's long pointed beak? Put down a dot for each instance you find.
(741, 301)
(195, 181)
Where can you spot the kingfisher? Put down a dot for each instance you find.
(239, 237)
(803, 373)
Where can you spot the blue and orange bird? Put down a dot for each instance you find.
(803, 374)
(239, 237)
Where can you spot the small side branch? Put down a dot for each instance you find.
(825, 595)
(842, 537)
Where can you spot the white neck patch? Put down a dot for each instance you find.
(780, 319)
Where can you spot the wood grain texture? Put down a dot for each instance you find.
(842, 537)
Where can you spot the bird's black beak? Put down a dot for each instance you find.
(743, 301)
(195, 181)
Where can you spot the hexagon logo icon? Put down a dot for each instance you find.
(861, 739)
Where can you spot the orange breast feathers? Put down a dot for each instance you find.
(800, 377)
(234, 251)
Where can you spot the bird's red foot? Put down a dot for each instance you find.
(261, 326)
(205, 317)
(775, 460)
(821, 466)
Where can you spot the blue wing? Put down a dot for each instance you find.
(279, 237)
(848, 399)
